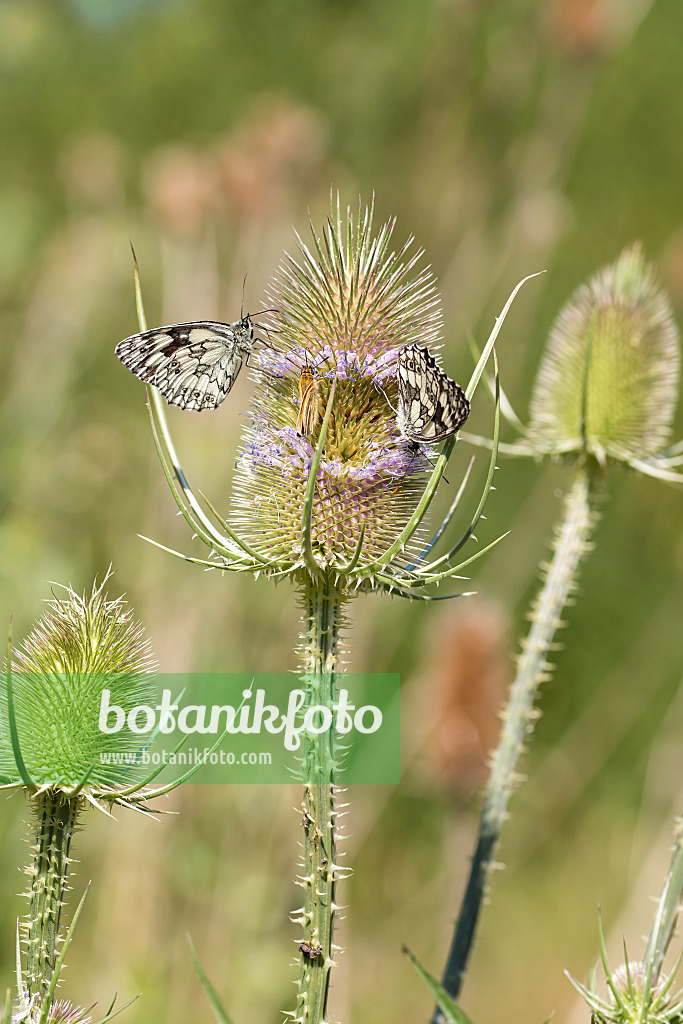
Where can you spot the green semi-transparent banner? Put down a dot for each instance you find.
(225, 727)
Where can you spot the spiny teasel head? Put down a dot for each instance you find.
(608, 383)
(345, 306)
(333, 480)
(636, 994)
(80, 645)
(65, 1012)
(85, 633)
(631, 978)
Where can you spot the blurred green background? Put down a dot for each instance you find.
(507, 136)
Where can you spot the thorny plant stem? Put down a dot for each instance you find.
(322, 618)
(53, 834)
(571, 542)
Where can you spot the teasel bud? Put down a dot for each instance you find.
(80, 644)
(65, 1012)
(608, 383)
(640, 990)
(636, 991)
(52, 747)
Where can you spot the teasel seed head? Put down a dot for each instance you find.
(344, 309)
(608, 383)
(80, 644)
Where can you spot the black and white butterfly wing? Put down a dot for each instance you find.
(193, 365)
(431, 406)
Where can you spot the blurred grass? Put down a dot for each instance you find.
(507, 137)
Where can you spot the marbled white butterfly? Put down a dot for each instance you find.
(193, 365)
(431, 406)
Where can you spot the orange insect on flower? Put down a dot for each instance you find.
(309, 402)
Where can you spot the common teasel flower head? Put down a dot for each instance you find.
(327, 487)
(636, 994)
(638, 991)
(632, 977)
(345, 306)
(49, 709)
(608, 382)
(65, 1012)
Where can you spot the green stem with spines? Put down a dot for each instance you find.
(322, 618)
(56, 822)
(571, 543)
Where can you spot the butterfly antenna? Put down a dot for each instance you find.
(262, 311)
(244, 285)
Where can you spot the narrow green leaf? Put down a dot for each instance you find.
(139, 305)
(156, 406)
(667, 908)
(233, 536)
(170, 786)
(483, 359)
(7, 1009)
(350, 566)
(485, 493)
(110, 1015)
(208, 536)
(14, 735)
(307, 513)
(507, 412)
(605, 965)
(116, 993)
(196, 561)
(210, 992)
(446, 520)
(72, 793)
(62, 957)
(450, 1009)
(440, 464)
